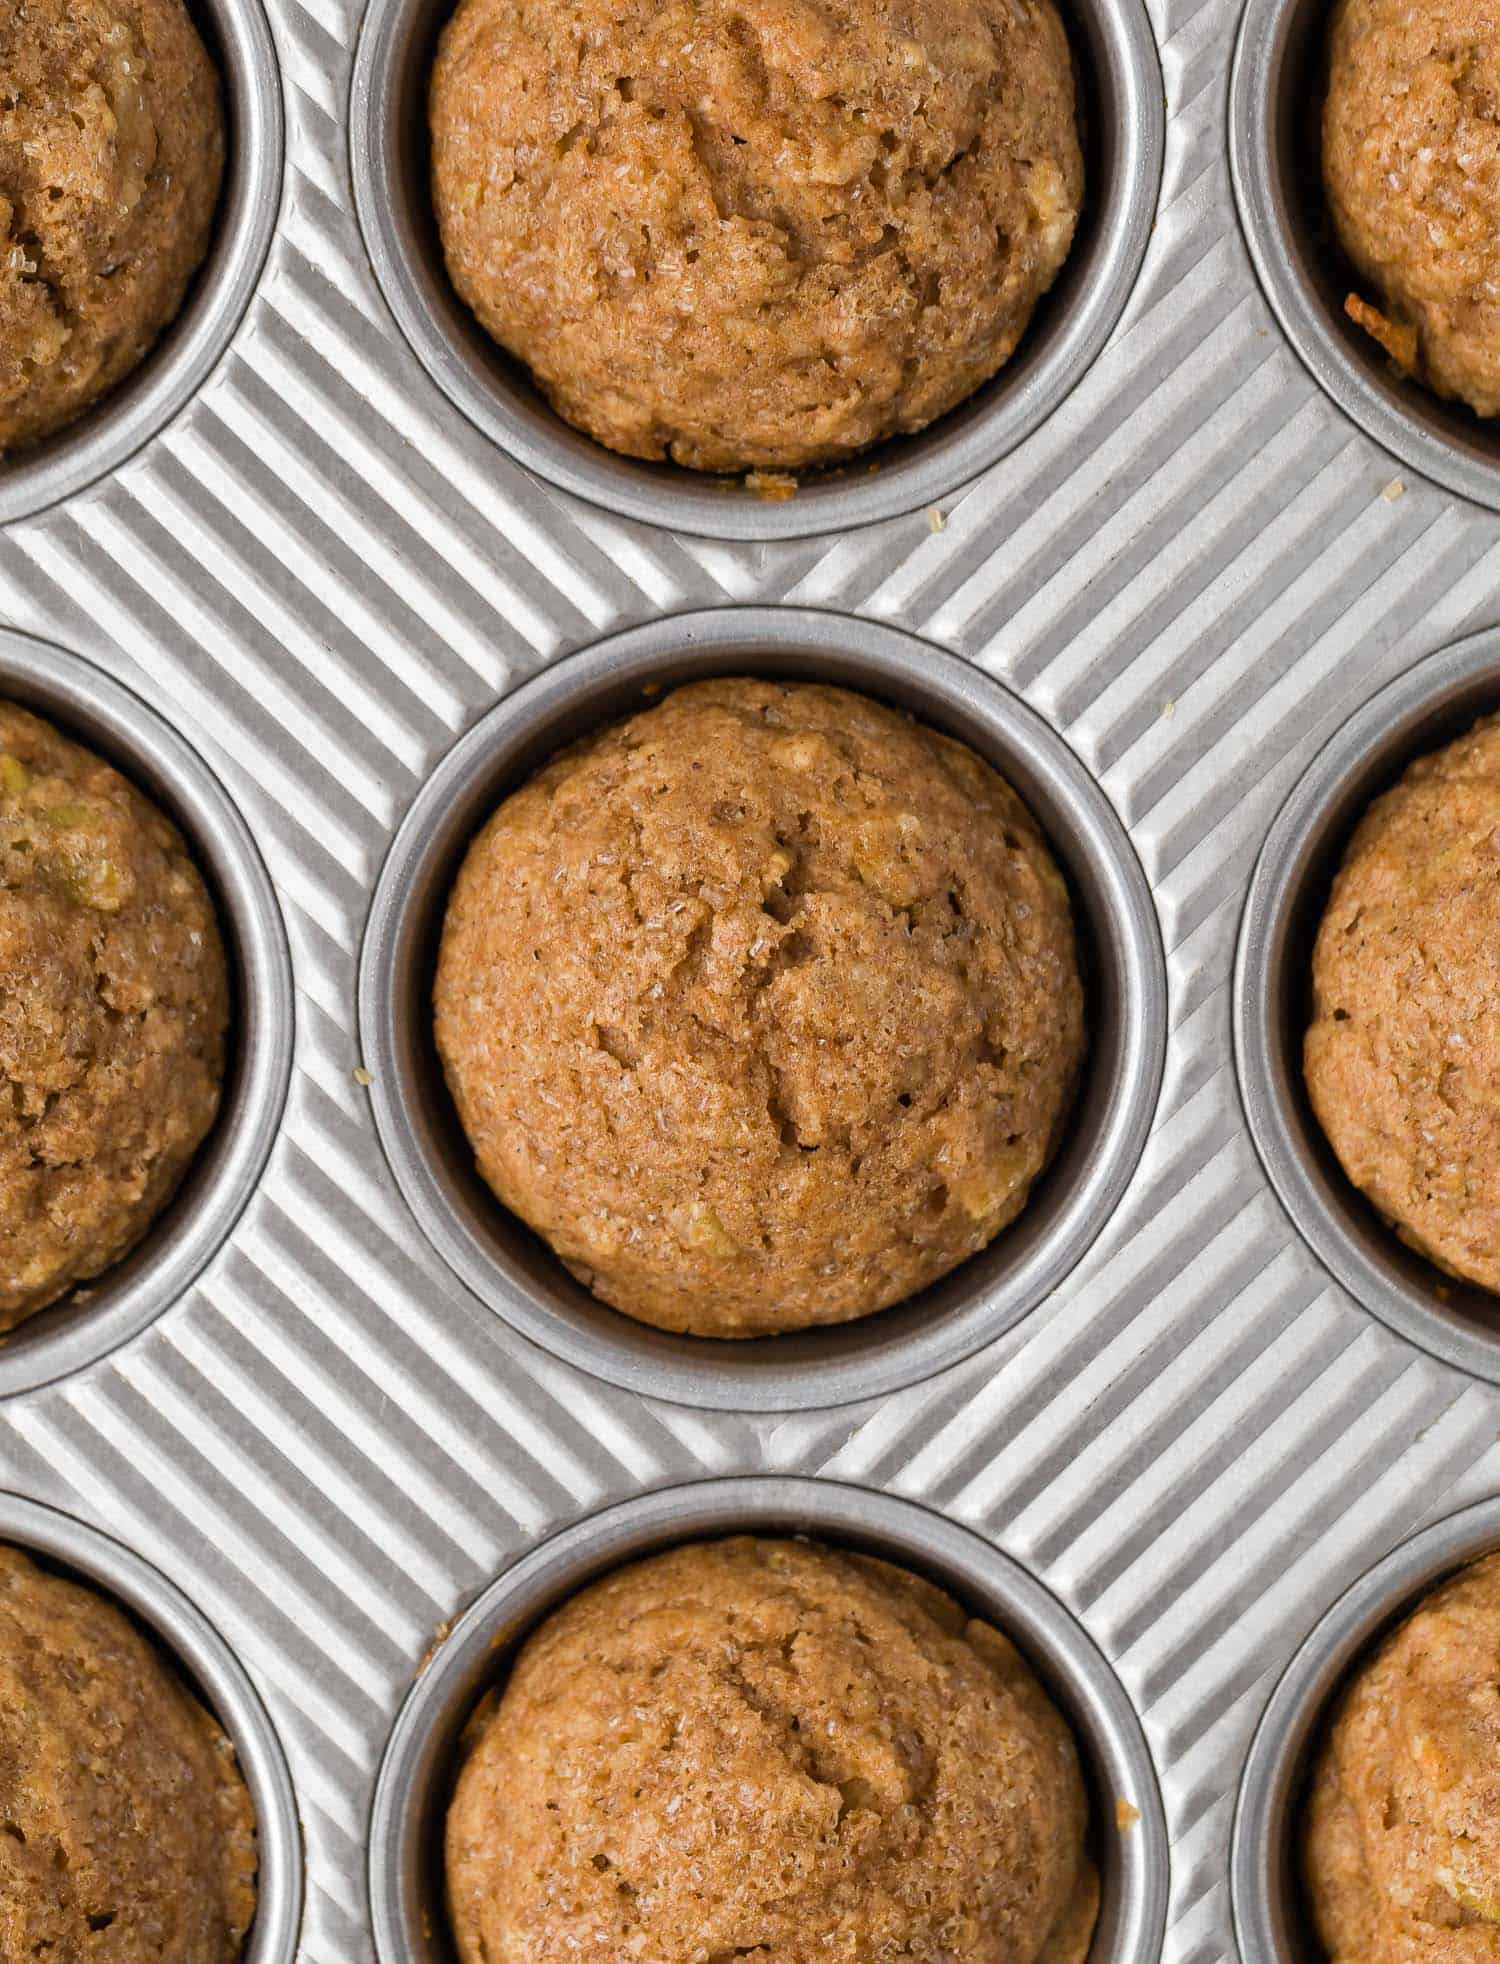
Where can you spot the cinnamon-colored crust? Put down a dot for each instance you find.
(762, 1007)
(767, 1750)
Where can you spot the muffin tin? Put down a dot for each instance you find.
(328, 612)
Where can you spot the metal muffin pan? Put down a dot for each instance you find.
(1275, 97)
(186, 1636)
(1431, 704)
(509, 1269)
(94, 1318)
(238, 37)
(1120, 89)
(1271, 1920)
(324, 575)
(417, 1774)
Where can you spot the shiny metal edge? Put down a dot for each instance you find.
(188, 1635)
(411, 1793)
(109, 433)
(387, 101)
(508, 1269)
(1272, 71)
(1263, 1865)
(1427, 706)
(98, 1316)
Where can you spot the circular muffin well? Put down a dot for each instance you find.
(1278, 84)
(518, 1277)
(1273, 1917)
(1431, 705)
(416, 1781)
(238, 40)
(1123, 117)
(57, 1544)
(86, 706)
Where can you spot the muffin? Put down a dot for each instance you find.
(763, 1749)
(111, 153)
(1411, 162)
(762, 1007)
(1403, 1050)
(113, 1003)
(755, 234)
(127, 1835)
(1403, 1829)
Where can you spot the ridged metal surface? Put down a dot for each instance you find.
(322, 575)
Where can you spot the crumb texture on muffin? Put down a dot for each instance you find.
(111, 153)
(755, 234)
(767, 1750)
(1402, 1056)
(113, 1005)
(127, 1835)
(1411, 162)
(1403, 1830)
(762, 1007)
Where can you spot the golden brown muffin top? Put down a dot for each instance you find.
(1403, 1053)
(113, 1003)
(111, 152)
(755, 233)
(1411, 161)
(762, 1007)
(1403, 1835)
(126, 1832)
(768, 1750)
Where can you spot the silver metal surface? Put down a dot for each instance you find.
(1120, 82)
(1193, 572)
(1270, 1917)
(186, 1635)
(508, 1268)
(1275, 96)
(1432, 703)
(238, 37)
(92, 1319)
(416, 1777)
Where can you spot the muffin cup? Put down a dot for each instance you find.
(238, 38)
(1275, 107)
(185, 1634)
(1122, 96)
(1422, 710)
(416, 1777)
(96, 1316)
(1270, 1917)
(509, 1268)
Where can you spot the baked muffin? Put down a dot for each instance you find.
(1411, 161)
(755, 234)
(762, 1007)
(111, 152)
(128, 1834)
(1403, 1051)
(767, 1750)
(1403, 1830)
(113, 1004)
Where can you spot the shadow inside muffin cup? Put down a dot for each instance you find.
(1272, 1918)
(422, 1758)
(189, 1642)
(510, 1268)
(238, 39)
(1432, 704)
(96, 1316)
(1122, 116)
(1277, 89)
